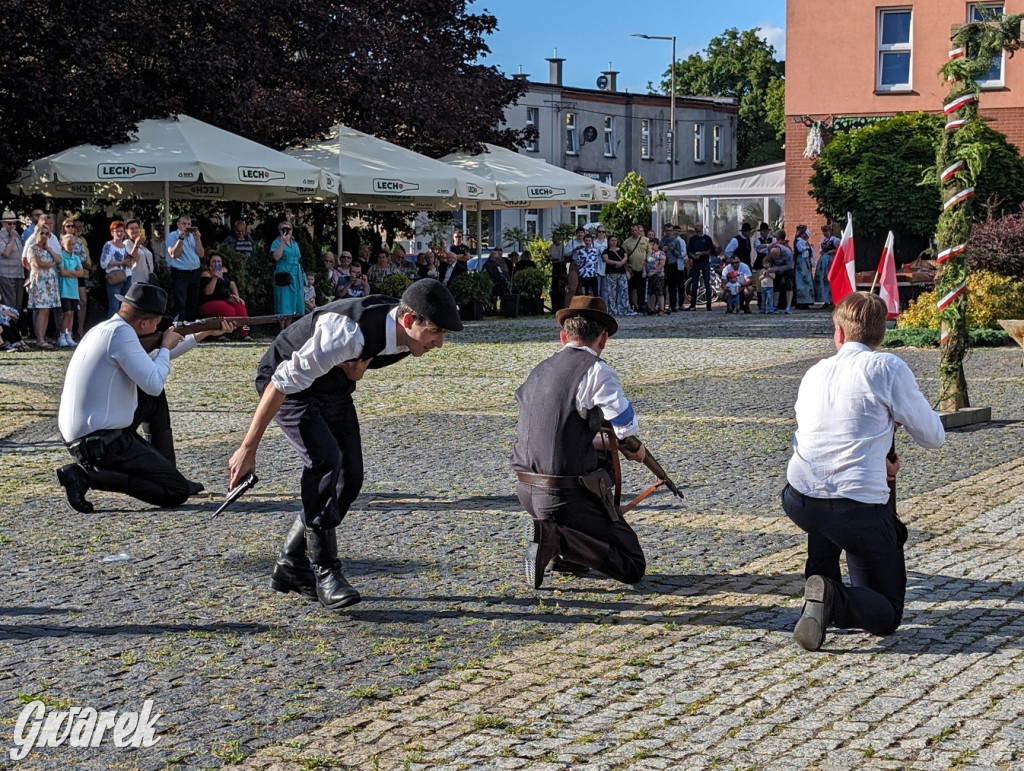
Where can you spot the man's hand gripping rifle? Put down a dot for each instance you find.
(632, 444)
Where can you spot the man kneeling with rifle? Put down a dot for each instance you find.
(577, 523)
(98, 405)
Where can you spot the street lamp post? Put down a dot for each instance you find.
(672, 97)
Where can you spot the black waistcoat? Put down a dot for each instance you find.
(551, 437)
(370, 313)
(743, 250)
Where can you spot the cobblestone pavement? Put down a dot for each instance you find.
(451, 661)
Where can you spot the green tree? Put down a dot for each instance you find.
(633, 205)
(878, 174)
(741, 65)
(967, 158)
(278, 73)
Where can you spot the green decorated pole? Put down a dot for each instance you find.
(962, 154)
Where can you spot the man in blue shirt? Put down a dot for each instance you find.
(184, 253)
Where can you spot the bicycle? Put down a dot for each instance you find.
(716, 289)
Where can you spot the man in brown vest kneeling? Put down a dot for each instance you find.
(561, 407)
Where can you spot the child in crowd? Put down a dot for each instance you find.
(69, 272)
(732, 292)
(310, 292)
(654, 272)
(767, 286)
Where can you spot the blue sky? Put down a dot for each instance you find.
(590, 33)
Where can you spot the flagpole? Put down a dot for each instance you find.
(874, 281)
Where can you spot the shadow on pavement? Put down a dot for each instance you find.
(32, 631)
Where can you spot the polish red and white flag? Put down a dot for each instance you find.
(842, 273)
(887, 287)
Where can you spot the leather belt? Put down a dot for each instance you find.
(547, 480)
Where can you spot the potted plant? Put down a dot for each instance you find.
(395, 284)
(472, 293)
(510, 304)
(531, 283)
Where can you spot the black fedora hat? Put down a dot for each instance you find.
(147, 298)
(592, 308)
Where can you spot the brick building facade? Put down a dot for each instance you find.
(875, 60)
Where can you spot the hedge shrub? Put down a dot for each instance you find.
(990, 297)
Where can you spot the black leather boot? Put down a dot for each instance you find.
(75, 480)
(292, 573)
(544, 548)
(332, 589)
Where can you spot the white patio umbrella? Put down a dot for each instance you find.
(378, 175)
(529, 183)
(179, 158)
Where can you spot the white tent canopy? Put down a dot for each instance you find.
(376, 174)
(528, 183)
(179, 158)
(724, 201)
(755, 182)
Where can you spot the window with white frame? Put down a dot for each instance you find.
(716, 144)
(532, 121)
(895, 32)
(645, 140)
(609, 136)
(572, 135)
(698, 143)
(994, 77)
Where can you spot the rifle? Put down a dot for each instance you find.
(901, 529)
(152, 342)
(632, 444)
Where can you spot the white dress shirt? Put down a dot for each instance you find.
(336, 339)
(742, 270)
(602, 388)
(101, 379)
(845, 410)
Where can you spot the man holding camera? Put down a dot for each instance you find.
(184, 254)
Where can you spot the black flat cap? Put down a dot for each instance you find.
(432, 300)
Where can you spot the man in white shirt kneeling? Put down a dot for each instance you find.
(837, 491)
(98, 403)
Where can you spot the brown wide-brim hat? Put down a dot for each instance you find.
(591, 308)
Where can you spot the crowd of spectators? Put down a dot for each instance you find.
(49, 275)
(642, 273)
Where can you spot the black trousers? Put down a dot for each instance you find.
(701, 271)
(783, 290)
(324, 430)
(874, 555)
(588, 535)
(153, 415)
(186, 294)
(126, 463)
(674, 285)
(637, 283)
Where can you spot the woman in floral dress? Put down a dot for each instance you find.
(42, 287)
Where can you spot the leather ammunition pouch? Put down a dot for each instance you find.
(91, 449)
(599, 484)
